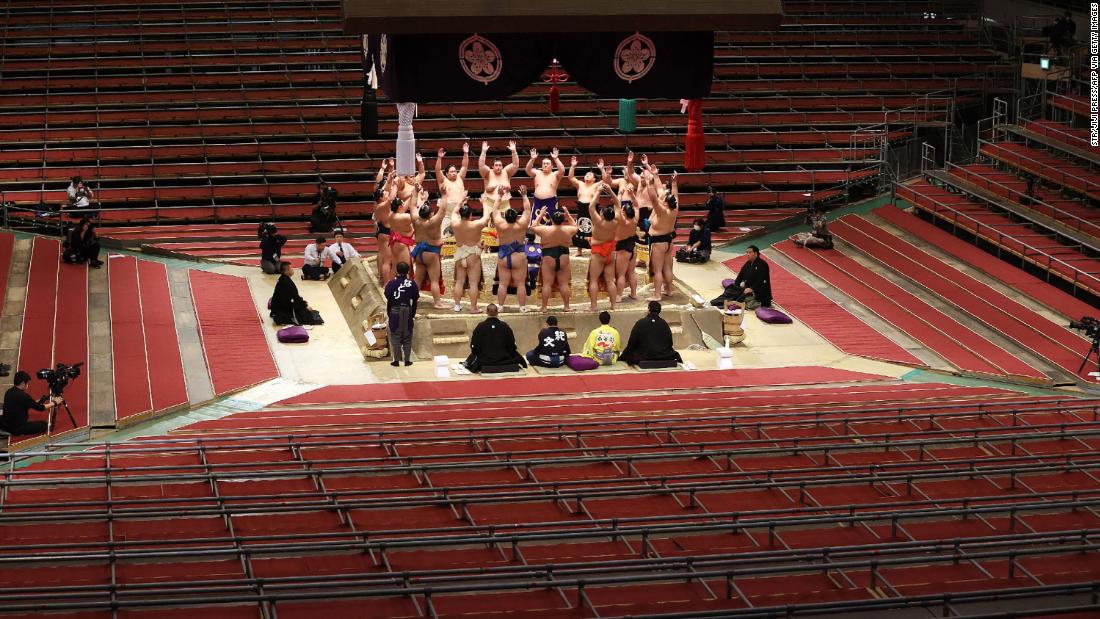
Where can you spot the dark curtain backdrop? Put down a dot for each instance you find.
(679, 64)
(429, 68)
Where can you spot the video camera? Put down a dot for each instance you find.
(58, 378)
(1088, 324)
(266, 229)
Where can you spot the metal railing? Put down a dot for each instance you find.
(646, 568)
(39, 217)
(876, 137)
(921, 443)
(1002, 241)
(1067, 138)
(993, 126)
(1041, 207)
(627, 457)
(1066, 180)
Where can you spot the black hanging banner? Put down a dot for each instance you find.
(368, 109)
(639, 65)
(460, 67)
(483, 67)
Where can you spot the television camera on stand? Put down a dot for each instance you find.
(323, 218)
(57, 379)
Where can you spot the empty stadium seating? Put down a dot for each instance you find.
(1043, 205)
(201, 119)
(731, 501)
(1057, 171)
(756, 492)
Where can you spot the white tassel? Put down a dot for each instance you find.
(372, 73)
(406, 139)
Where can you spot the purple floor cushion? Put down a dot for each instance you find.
(773, 316)
(292, 335)
(578, 363)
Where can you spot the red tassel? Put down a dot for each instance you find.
(555, 98)
(694, 145)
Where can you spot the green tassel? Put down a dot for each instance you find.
(628, 115)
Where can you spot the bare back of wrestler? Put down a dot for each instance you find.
(556, 231)
(427, 253)
(626, 240)
(662, 232)
(467, 231)
(602, 262)
(511, 228)
(394, 213)
(384, 192)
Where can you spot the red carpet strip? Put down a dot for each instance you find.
(828, 319)
(1008, 274)
(36, 343)
(599, 383)
(232, 335)
(1054, 343)
(935, 330)
(71, 340)
(128, 345)
(55, 326)
(165, 364)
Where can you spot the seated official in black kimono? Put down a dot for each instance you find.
(493, 346)
(287, 306)
(650, 343)
(754, 278)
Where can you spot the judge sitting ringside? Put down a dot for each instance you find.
(650, 342)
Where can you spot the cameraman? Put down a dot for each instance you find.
(697, 251)
(323, 218)
(82, 245)
(1062, 34)
(17, 406)
(271, 247)
(819, 235)
(80, 196)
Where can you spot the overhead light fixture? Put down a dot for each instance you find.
(1044, 63)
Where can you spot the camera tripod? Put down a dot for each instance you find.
(53, 413)
(1095, 348)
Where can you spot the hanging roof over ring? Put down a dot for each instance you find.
(510, 16)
